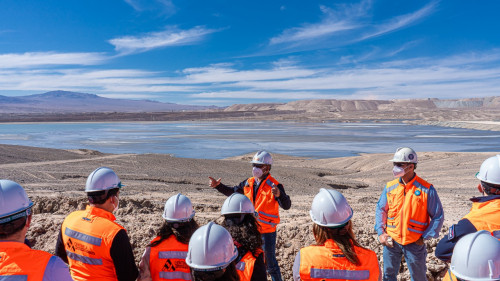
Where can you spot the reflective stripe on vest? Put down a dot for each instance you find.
(240, 266)
(407, 215)
(486, 216)
(340, 274)
(20, 262)
(265, 203)
(14, 278)
(175, 275)
(326, 262)
(167, 260)
(88, 236)
(84, 259)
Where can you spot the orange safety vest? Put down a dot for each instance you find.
(87, 237)
(407, 216)
(327, 262)
(246, 265)
(265, 204)
(19, 260)
(486, 216)
(167, 261)
(449, 276)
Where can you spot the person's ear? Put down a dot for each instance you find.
(480, 188)
(28, 221)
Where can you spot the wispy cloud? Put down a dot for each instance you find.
(34, 59)
(165, 7)
(341, 26)
(172, 36)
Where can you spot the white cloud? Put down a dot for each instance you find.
(165, 7)
(172, 36)
(251, 95)
(37, 59)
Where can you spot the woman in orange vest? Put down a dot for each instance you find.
(239, 219)
(336, 255)
(164, 258)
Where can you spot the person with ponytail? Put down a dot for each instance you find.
(164, 257)
(336, 254)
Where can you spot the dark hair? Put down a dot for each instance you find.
(342, 236)
(100, 197)
(490, 188)
(246, 234)
(182, 231)
(230, 274)
(12, 227)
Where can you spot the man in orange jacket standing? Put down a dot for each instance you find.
(408, 211)
(95, 246)
(267, 195)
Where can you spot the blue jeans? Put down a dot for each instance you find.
(269, 246)
(415, 256)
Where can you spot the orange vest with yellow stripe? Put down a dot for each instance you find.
(17, 260)
(88, 236)
(246, 265)
(167, 260)
(407, 216)
(486, 216)
(327, 262)
(265, 204)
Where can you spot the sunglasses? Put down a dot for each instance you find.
(401, 164)
(257, 165)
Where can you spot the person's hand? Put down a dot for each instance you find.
(276, 191)
(420, 241)
(383, 239)
(213, 182)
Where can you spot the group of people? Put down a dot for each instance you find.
(92, 246)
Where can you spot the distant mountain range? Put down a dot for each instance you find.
(72, 102)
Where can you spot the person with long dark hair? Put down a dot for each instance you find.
(164, 257)
(212, 254)
(336, 254)
(239, 220)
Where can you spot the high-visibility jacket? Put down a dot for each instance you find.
(88, 236)
(485, 215)
(21, 261)
(246, 265)
(265, 203)
(449, 276)
(167, 260)
(327, 262)
(407, 216)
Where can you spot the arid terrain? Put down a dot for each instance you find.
(55, 180)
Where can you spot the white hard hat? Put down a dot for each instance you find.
(330, 208)
(490, 170)
(237, 204)
(178, 208)
(262, 157)
(14, 202)
(102, 178)
(476, 256)
(405, 155)
(211, 248)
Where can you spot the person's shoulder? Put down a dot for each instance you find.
(423, 182)
(392, 183)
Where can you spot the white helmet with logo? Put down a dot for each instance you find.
(178, 208)
(262, 157)
(330, 209)
(490, 170)
(14, 202)
(237, 204)
(476, 256)
(405, 155)
(211, 248)
(102, 178)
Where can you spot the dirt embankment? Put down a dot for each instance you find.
(55, 180)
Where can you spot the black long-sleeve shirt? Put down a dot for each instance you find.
(283, 200)
(121, 254)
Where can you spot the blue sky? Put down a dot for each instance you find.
(225, 52)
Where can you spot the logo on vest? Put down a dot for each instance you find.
(417, 192)
(168, 266)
